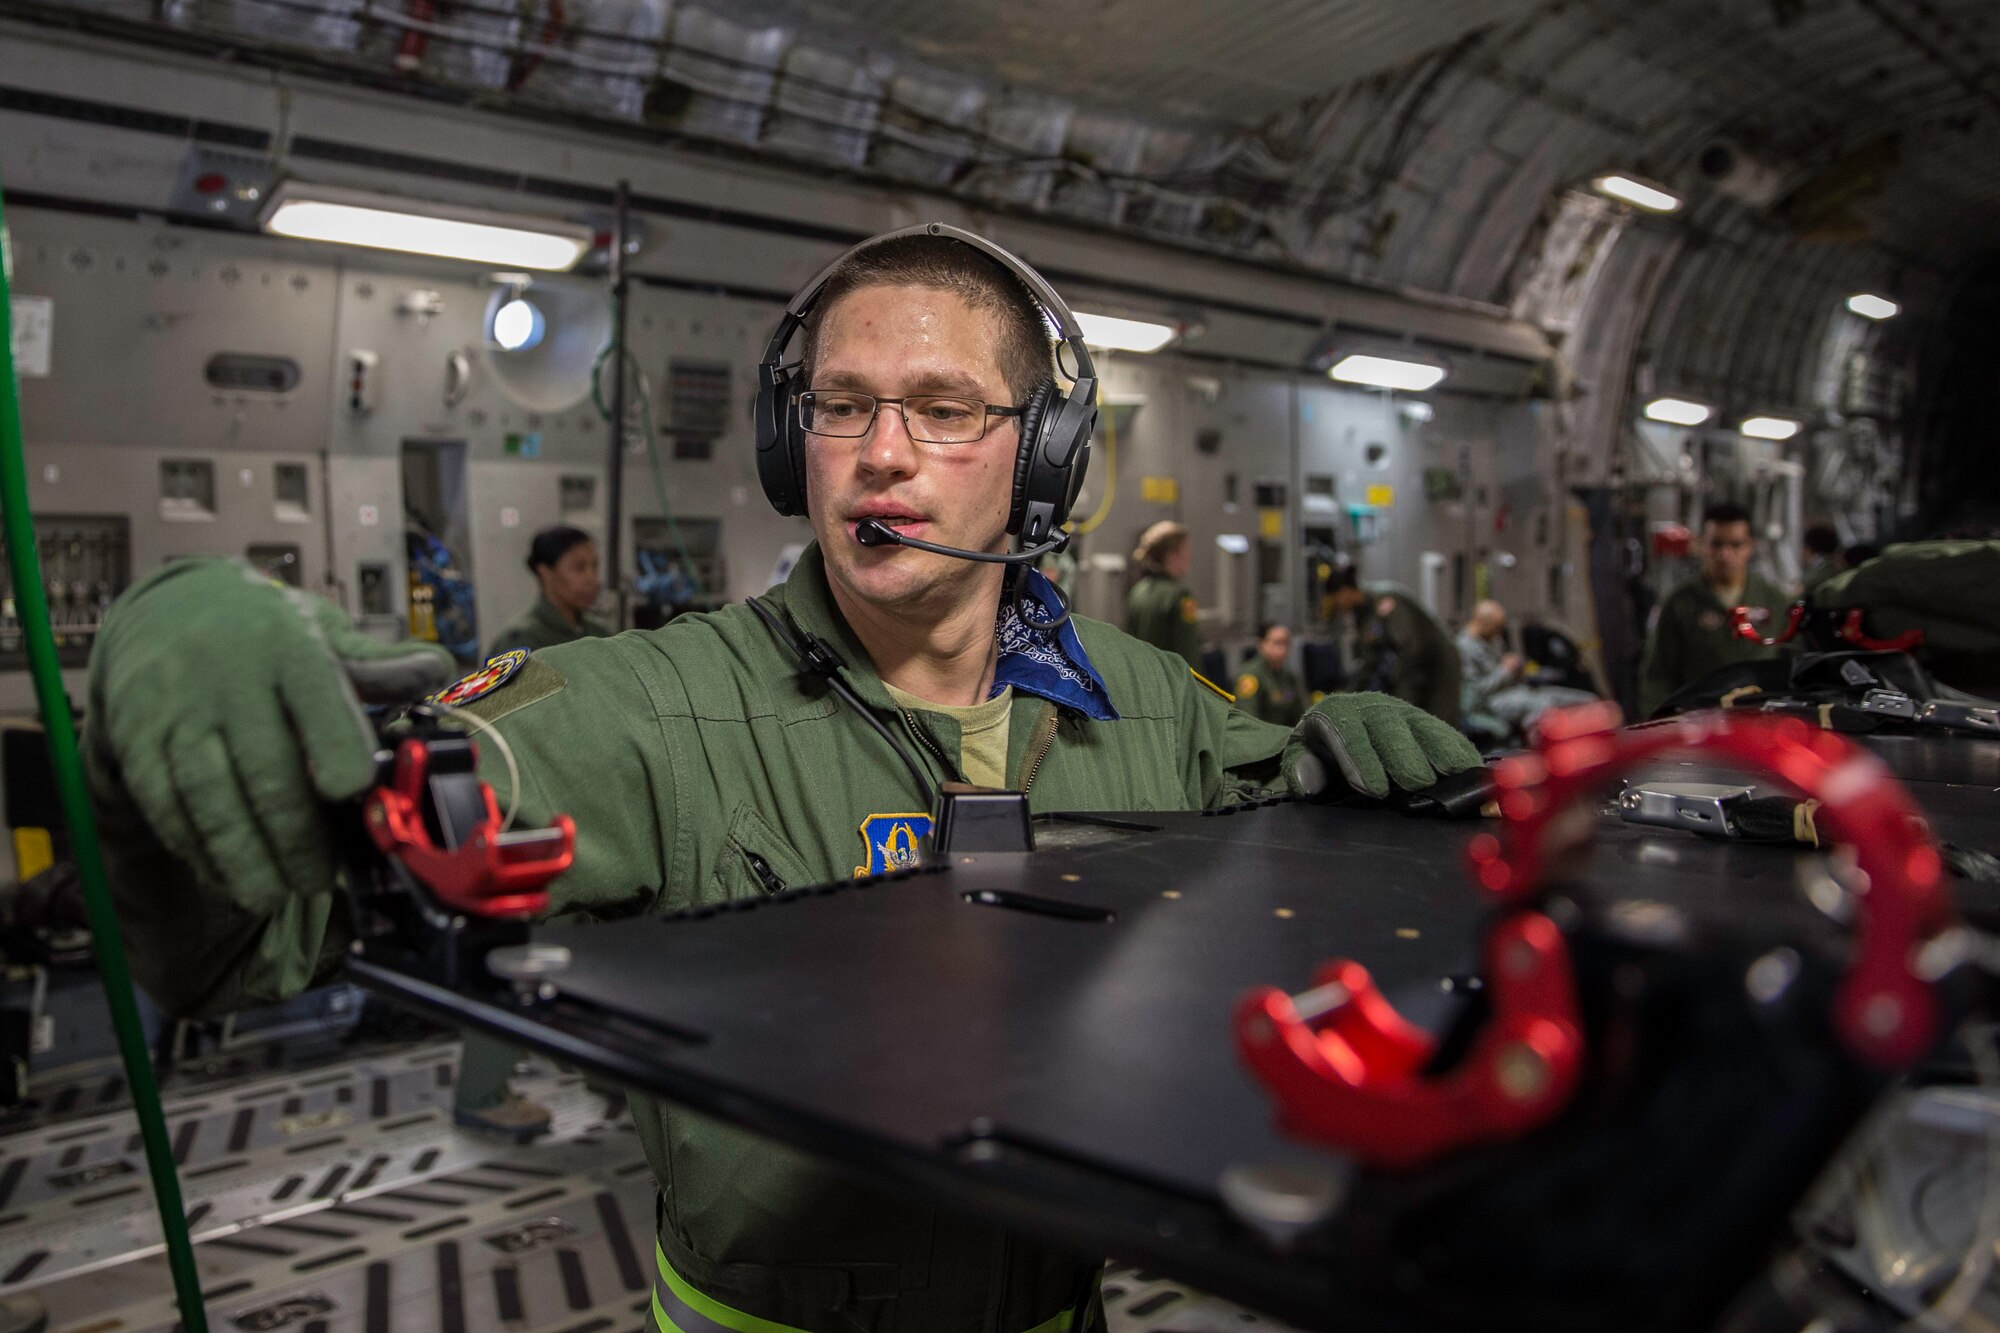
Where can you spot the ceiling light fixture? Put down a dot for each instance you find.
(1383, 372)
(1872, 307)
(444, 231)
(1115, 333)
(1638, 193)
(1678, 411)
(1769, 428)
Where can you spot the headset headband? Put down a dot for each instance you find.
(1071, 332)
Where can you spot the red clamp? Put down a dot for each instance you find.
(1347, 1071)
(1745, 628)
(489, 873)
(1848, 630)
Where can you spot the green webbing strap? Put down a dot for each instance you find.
(33, 609)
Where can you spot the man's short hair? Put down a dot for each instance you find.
(1266, 626)
(1723, 513)
(1343, 576)
(1026, 351)
(1821, 539)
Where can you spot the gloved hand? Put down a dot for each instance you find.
(224, 713)
(1369, 741)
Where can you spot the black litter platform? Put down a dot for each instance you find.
(1044, 1040)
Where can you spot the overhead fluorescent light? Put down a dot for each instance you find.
(1115, 333)
(1637, 193)
(1382, 372)
(1769, 428)
(1872, 307)
(1678, 411)
(383, 222)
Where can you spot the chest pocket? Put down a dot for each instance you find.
(756, 861)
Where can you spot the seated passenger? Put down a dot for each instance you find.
(1499, 700)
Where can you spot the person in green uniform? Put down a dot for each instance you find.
(1160, 609)
(1267, 688)
(564, 561)
(1692, 633)
(1401, 649)
(701, 765)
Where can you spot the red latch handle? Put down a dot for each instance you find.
(1885, 1012)
(489, 873)
(1347, 1071)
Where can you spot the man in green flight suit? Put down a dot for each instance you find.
(1160, 609)
(1267, 688)
(1402, 649)
(701, 765)
(1692, 633)
(564, 562)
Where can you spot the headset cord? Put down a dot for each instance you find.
(817, 658)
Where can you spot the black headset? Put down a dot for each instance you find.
(1055, 431)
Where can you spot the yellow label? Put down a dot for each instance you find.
(1159, 490)
(1382, 497)
(1271, 523)
(33, 852)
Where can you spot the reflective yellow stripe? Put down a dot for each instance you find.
(703, 1308)
(705, 1313)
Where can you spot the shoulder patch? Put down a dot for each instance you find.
(1246, 685)
(892, 842)
(1189, 611)
(497, 672)
(536, 680)
(1212, 685)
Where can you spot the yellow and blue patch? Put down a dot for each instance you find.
(497, 672)
(892, 842)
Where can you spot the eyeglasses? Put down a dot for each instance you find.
(929, 418)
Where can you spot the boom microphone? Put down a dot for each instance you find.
(872, 532)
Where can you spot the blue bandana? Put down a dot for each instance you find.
(1048, 663)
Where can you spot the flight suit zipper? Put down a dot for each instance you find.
(1048, 742)
(765, 875)
(924, 739)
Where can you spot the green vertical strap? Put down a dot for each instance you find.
(34, 614)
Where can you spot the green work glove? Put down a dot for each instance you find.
(1370, 741)
(225, 714)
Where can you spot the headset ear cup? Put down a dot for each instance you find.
(780, 461)
(1028, 455)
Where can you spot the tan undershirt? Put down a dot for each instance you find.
(982, 729)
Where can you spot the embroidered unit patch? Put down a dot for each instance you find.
(892, 842)
(497, 672)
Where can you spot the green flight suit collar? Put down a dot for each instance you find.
(809, 601)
